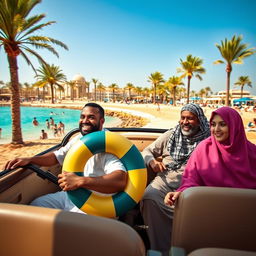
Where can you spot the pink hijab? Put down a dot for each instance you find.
(228, 164)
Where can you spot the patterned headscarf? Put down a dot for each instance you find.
(181, 146)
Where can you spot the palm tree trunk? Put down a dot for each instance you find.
(15, 101)
(154, 100)
(114, 96)
(72, 93)
(174, 96)
(52, 92)
(242, 91)
(43, 94)
(227, 89)
(228, 70)
(188, 89)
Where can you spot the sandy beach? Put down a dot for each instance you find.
(166, 117)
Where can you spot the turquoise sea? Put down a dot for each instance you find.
(69, 117)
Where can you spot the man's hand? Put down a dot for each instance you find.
(17, 162)
(171, 197)
(157, 166)
(69, 181)
(48, 159)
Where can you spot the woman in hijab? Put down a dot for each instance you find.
(225, 159)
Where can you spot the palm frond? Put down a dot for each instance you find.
(199, 77)
(34, 53)
(42, 46)
(27, 60)
(35, 28)
(218, 62)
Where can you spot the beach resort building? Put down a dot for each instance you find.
(220, 97)
(77, 88)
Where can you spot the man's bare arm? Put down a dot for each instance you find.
(48, 159)
(109, 183)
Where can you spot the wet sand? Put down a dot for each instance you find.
(166, 117)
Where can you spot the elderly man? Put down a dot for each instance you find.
(173, 148)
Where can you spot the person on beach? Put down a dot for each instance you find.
(251, 125)
(35, 122)
(103, 172)
(55, 130)
(0, 133)
(226, 159)
(174, 148)
(61, 128)
(51, 122)
(47, 123)
(44, 135)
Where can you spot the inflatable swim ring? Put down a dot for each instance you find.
(116, 144)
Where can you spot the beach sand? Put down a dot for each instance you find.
(166, 117)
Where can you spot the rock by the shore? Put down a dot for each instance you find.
(128, 120)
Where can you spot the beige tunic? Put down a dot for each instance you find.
(156, 215)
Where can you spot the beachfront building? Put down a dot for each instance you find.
(235, 94)
(220, 97)
(5, 94)
(77, 88)
(81, 86)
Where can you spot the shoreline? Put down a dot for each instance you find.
(147, 115)
(120, 119)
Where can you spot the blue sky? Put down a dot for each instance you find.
(122, 41)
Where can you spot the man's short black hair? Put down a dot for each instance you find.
(95, 105)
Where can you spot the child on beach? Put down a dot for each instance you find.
(47, 123)
(252, 125)
(52, 123)
(61, 128)
(44, 135)
(55, 130)
(35, 122)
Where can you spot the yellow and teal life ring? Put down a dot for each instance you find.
(116, 144)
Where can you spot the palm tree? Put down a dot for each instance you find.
(181, 92)
(232, 51)
(156, 79)
(137, 91)
(193, 93)
(37, 86)
(87, 86)
(189, 67)
(95, 81)
(208, 90)
(146, 93)
(27, 90)
(163, 91)
(242, 81)
(113, 87)
(72, 85)
(50, 75)
(17, 35)
(174, 83)
(101, 88)
(202, 93)
(129, 87)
